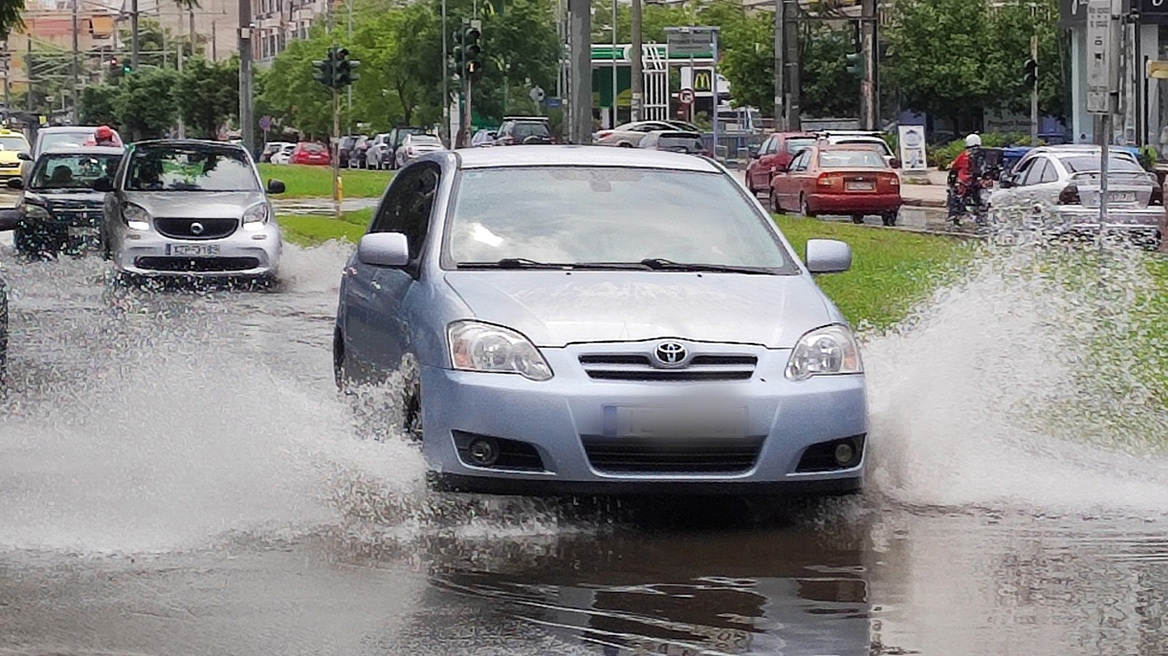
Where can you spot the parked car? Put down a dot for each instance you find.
(776, 151)
(273, 147)
(416, 145)
(60, 207)
(311, 153)
(851, 180)
(346, 146)
(14, 151)
(678, 142)
(1057, 188)
(629, 135)
(73, 136)
(356, 158)
(377, 154)
(190, 208)
(396, 136)
(861, 138)
(561, 331)
(684, 126)
(524, 130)
(483, 138)
(284, 155)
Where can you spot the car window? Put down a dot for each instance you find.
(683, 142)
(71, 171)
(878, 144)
(13, 142)
(767, 146)
(55, 140)
(1080, 163)
(180, 168)
(424, 139)
(312, 148)
(1049, 174)
(865, 159)
(796, 144)
(525, 130)
(407, 206)
(566, 214)
(1034, 175)
(800, 161)
(1023, 168)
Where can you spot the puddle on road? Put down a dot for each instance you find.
(202, 428)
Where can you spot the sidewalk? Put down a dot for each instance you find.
(925, 195)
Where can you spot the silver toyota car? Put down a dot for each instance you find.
(190, 208)
(579, 319)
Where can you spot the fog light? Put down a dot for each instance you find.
(483, 452)
(844, 452)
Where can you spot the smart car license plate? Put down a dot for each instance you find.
(193, 250)
(674, 421)
(861, 186)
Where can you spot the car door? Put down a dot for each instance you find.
(376, 312)
(1047, 184)
(1029, 191)
(1013, 196)
(761, 170)
(792, 180)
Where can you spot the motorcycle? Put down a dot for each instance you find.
(971, 199)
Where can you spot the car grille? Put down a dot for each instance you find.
(79, 217)
(181, 228)
(196, 264)
(656, 455)
(639, 367)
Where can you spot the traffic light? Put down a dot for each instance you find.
(473, 53)
(324, 71)
(345, 69)
(1030, 74)
(855, 63)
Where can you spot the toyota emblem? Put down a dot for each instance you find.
(196, 228)
(670, 354)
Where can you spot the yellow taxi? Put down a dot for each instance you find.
(12, 144)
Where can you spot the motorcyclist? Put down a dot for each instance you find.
(962, 178)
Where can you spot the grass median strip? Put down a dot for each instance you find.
(314, 181)
(311, 230)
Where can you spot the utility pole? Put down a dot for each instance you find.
(182, 129)
(791, 67)
(613, 55)
(781, 119)
(637, 57)
(246, 127)
(580, 71)
(1034, 87)
(134, 31)
(76, 69)
(444, 133)
(214, 41)
(868, 50)
(349, 7)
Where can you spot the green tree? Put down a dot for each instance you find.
(747, 53)
(1012, 27)
(207, 95)
(400, 50)
(99, 105)
(10, 16)
(291, 94)
(828, 90)
(145, 106)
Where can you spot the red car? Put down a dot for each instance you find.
(777, 151)
(838, 180)
(310, 152)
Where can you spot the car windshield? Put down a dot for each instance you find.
(55, 140)
(691, 143)
(875, 144)
(313, 148)
(178, 168)
(1086, 162)
(861, 159)
(524, 130)
(797, 144)
(13, 143)
(71, 171)
(603, 215)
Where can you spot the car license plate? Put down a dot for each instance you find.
(1121, 197)
(861, 186)
(193, 250)
(674, 421)
(82, 231)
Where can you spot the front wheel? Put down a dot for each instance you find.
(804, 208)
(858, 219)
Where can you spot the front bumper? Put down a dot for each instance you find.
(1143, 219)
(561, 417)
(244, 254)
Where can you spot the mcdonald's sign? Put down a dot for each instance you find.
(703, 80)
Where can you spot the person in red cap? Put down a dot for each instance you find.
(104, 136)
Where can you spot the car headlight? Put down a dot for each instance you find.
(36, 212)
(135, 217)
(825, 351)
(477, 346)
(256, 216)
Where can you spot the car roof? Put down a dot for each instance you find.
(86, 150)
(570, 155)
(189, 143)
(1074, 149)
(71, 128)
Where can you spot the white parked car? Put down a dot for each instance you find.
(1056, 188)
(416, 145)
(284, 155)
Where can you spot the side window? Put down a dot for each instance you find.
(1034, 176)
(768, 148)
(407, 206)
(1023, 171)
(800, 162)
(1049, 174)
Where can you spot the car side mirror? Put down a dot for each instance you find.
(275, 186)
(753, 150)
(779, 168)
(103, 184)
(15, 183)
(384, 249)
(828, 256)
(9, 219)
(24, 157)
(894, 163)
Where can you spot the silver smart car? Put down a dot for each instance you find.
(190, 208)
(579, 319)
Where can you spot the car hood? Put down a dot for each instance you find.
(66, 199)
(9, 157)
(554, 308)
(195, 204)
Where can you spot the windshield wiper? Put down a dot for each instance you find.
(511, 263)
(662, 264)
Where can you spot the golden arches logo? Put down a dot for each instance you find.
(702, 81)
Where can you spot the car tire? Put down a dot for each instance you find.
(858, 219)
(776, 207)
(340, 376)
(804, 208)
(625, 144)
(3, 335)
(889, 218)
(412, 414)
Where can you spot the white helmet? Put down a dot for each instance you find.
(972, 140)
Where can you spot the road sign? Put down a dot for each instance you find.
(685, 96)
(553, 102)
(265, 123)
(1100, 80)
(536, 94)
(690, 40)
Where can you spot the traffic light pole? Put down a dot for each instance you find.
(336, 159)
(1034, 93)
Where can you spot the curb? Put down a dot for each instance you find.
(920, 202)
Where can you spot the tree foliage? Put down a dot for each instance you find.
(145, 105)
(828, 90)
(207, 95)
(99, 105)
(10, 16)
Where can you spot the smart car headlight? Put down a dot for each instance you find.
(256, 216)
(477, 346)
(825, 351)
(135, 217)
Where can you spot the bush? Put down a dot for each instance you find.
(942, 156)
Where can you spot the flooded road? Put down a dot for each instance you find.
(178, 476)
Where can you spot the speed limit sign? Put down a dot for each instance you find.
(686, 96)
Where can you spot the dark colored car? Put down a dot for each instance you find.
(310, 152)
(59, 207)
(676, 142)
(776, 152)
(396, 137)
(356, 158)
(517, 131)
(346, 146)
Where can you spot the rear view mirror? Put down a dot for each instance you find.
(15, 183)
(828, 256)
(384, 249)
(275, 186)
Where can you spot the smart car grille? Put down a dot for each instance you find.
(639, 367)
(696, 456)
(196, 264)
(184, 228)
(79, 217)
